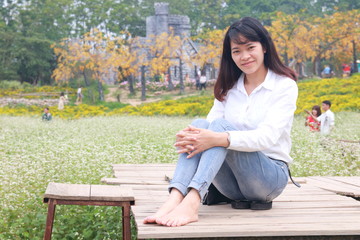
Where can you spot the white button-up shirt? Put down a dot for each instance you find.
(263, 118)
(327, 120)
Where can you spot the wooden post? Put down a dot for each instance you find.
(126, 222)
(50, 219)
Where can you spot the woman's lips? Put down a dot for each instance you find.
(247, 63)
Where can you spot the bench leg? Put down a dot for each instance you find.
(50, 219)
(126, 224)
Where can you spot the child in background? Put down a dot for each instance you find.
(314, 126)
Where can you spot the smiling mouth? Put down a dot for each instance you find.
(247, 63)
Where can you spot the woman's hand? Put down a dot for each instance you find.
(195, 140)
(183, 137)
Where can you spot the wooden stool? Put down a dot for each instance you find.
(81, 194)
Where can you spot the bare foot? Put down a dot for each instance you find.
(186, 212)
(173, 201)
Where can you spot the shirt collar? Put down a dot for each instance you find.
(269, 82)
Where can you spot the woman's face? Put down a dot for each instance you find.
(249, 57)
(314, 112)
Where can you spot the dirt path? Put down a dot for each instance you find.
(152, 97)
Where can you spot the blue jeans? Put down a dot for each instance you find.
(237, 175)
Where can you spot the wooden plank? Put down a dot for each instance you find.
(334, 186)
(141, 174)
(234, 221)
(151, 165)
(300, 180)
(118, 181)
(306, 211)
(67, 191)
(284, 205)
(250, 230)
(354, 181)
(111, 193)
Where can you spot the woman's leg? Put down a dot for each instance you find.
(184, 172)
(209, 164)
(185, 167)
(258, 177)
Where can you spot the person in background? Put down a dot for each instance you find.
(197, 79)
(79, 95)
(243, 147)
(326, 119)
(62, 100)
(311, 120)
(46, 115)
(203, 81)
(346, 70)
(327, 73)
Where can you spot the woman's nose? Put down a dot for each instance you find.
(244, 55)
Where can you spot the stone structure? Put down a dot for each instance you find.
(162, 22)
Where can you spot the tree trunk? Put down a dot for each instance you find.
(87, 83)
(170, 84)
(299, 70)
(131, 84)
(101, 91)
(182, 87)
(286, 59)
(90, 94)
(355, 66)
(143, 84)
(316, 66)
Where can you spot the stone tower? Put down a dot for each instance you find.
(155, 25)
(163, 22)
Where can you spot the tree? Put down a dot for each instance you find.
(288, 33)
(162, 51)
(86, 54)
(326, 35)
(127, 56)
(210, 49)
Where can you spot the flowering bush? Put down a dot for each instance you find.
(344, 93)
(190, 106)
(53, 91)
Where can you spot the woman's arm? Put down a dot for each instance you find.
(315, 118)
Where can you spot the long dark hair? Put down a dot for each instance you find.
(252, 30)
(317, 109)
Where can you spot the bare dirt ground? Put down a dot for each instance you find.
(151, 97)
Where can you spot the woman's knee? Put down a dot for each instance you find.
(221, 125)
(200, 123)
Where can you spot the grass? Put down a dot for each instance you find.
(34, 153)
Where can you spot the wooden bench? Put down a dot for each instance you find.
(82, 194)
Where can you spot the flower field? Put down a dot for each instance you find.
(344, 93)
(81, 142)
(34, 153)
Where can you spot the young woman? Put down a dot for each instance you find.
(311, 120)
(62, 100)
(243, 146)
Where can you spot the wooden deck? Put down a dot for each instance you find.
(320, 208)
